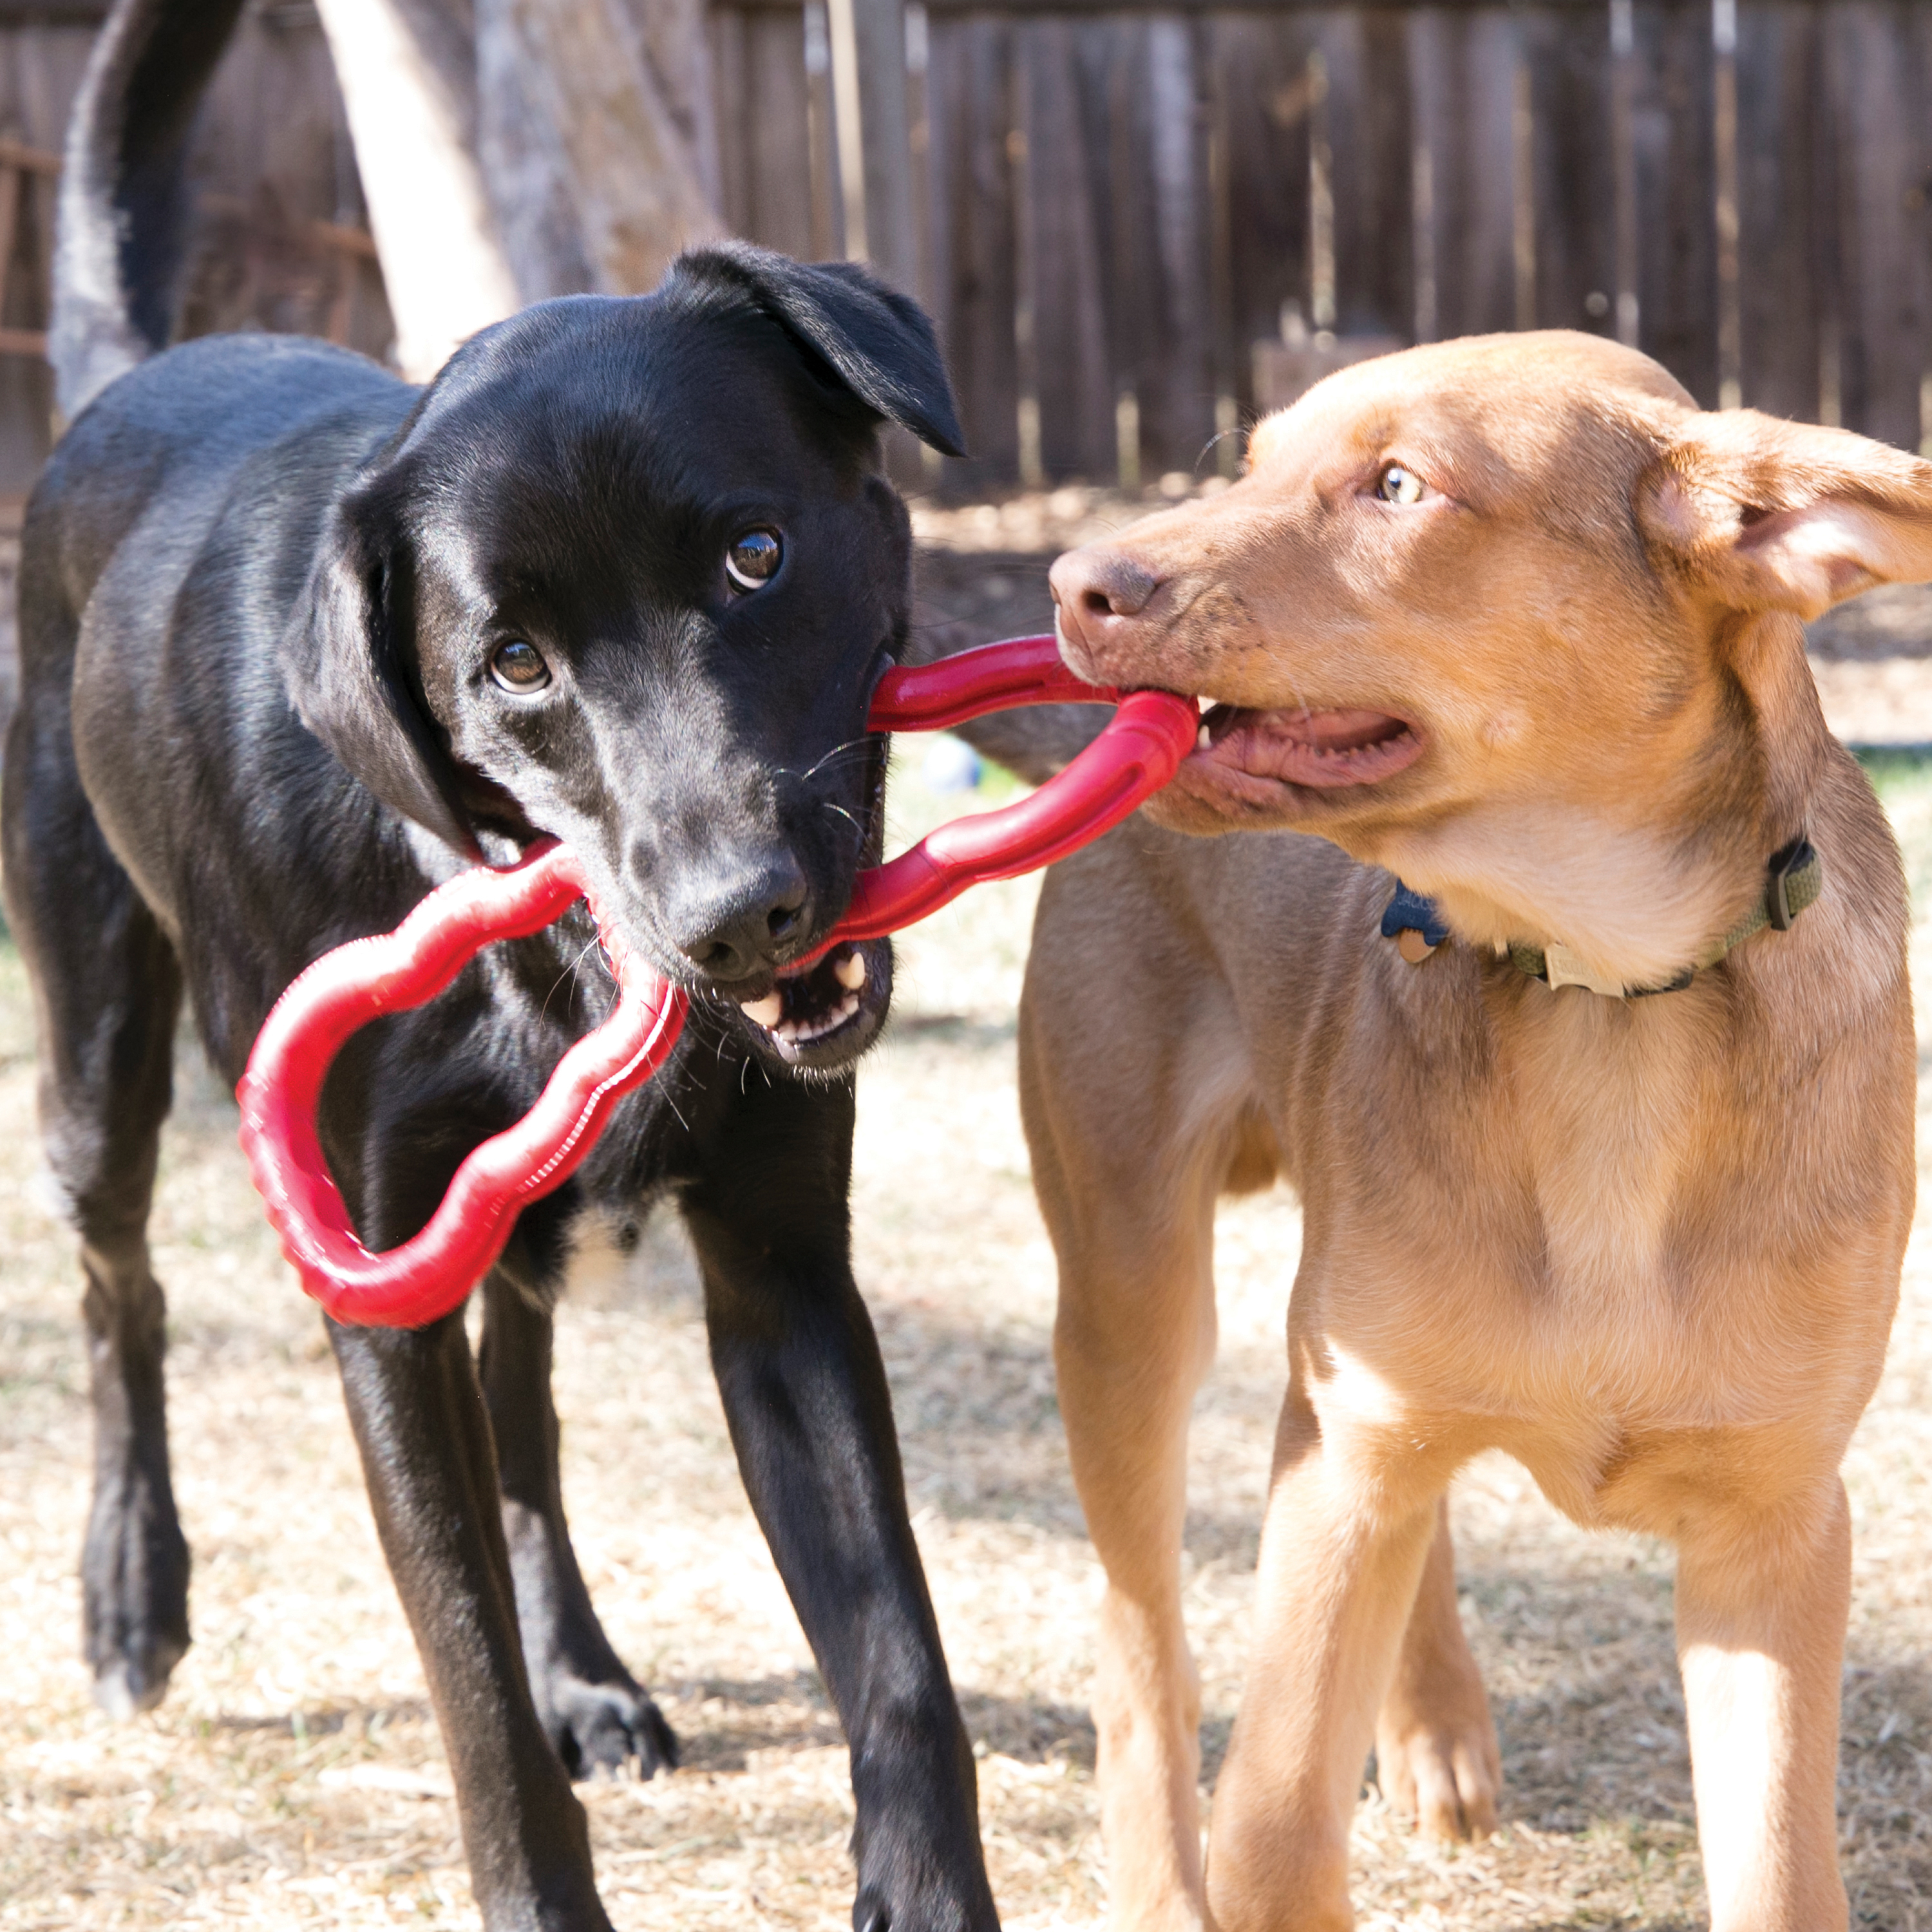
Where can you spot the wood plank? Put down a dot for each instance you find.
(828, 224)
(84, 15)
(728, 31)
(1131, 277)
(12, 186)
(41, 68)
(1871, 69)
(967, 91)
(1462, 122)
(1034, 9)
(1670, 126)
(1573, 178)
(868, 86)
(33, 161)
(1176, 408)
(778, 169)
(1077, 431)
(1366, 54)
(1223, 353)
(1779, 306)
(1262, 79)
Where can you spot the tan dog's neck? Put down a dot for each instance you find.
(1643, 885)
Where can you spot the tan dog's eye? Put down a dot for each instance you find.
(1398, 485)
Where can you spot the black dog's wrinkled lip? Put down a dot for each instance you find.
(825, 1014)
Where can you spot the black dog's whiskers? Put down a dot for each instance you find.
(861, 744)
(858, 829)
(569, 972)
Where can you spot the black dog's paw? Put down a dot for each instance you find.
(134, 1599)
(606, 1727)
(137, 1681)
(921, 1895)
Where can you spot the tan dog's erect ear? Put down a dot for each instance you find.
(1769, 515)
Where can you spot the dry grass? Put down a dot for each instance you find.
(294, 1777)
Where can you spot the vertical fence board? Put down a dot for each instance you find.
(966, 88)
(1568, 57)
(40, 69)
(1076, 396)
(1132, 281)
(1463, 100)
(1882, 291)
(1177, 398)
(1778, 135)
(777, 134)
(728, 32)
(1262, 68)
(1366, 53)
(1164, 162)
(1676, 191)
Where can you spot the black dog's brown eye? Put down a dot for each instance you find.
(754, 559)
(519, 667)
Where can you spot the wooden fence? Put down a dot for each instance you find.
(1113, 202)
(281, 240)
(1116, 203)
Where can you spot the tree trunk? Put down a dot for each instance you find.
(598, 143)
(407, 72)
(513, 149)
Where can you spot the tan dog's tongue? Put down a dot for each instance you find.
(1317, 748)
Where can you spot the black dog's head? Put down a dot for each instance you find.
(628, 576)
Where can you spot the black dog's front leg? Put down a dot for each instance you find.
(594, 1711)
(805, 1394)
(419, 1418)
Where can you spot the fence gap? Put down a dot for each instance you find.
(1321, 200)
(1724, 144)
(1623, 168)
(1522, 191)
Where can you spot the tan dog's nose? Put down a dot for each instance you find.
(1099, 591)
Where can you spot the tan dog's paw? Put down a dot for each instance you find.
(1446, 1776)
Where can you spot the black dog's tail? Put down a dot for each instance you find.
(122, 226)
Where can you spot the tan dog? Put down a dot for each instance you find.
(1511, 621)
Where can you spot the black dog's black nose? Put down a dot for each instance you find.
(734, 930)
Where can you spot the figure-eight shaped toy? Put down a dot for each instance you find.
(431, 1274)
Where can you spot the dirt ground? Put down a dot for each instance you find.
(294, 1777)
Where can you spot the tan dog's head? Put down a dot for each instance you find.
(1513, 617)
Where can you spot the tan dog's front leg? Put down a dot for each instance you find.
(1761, 1612)
(1129, 1346)
(1342, 1552)
(1435, 1742)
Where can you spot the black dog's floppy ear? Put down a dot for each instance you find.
(876, 343)
(345, 657)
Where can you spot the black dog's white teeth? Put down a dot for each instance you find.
(797, 1033)
(806, 1006)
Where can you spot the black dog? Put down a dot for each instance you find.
(296, 641)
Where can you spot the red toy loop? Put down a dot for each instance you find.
(433, 1272)
(344, 990)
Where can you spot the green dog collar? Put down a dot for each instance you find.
(1794, 878)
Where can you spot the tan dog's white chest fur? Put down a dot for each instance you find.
(1514, 621)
